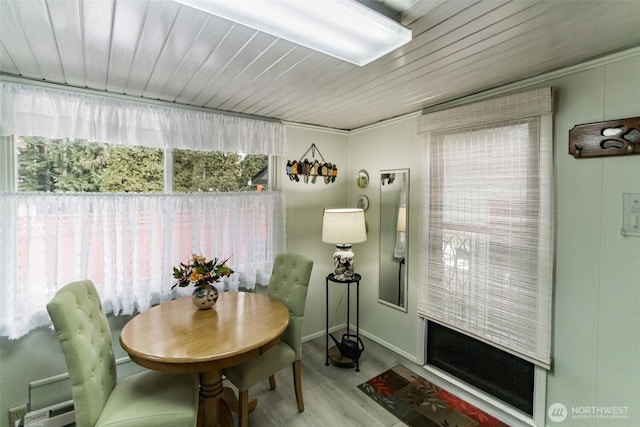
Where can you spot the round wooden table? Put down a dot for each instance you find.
(177, 337)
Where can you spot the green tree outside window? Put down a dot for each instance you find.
(46, 165)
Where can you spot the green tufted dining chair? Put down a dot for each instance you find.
(144, 399)
(288, 284)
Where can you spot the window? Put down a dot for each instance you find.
(57, 166)
(487, 252)
(486, 185)
(73, 210)
(196, 171)
(97, 211)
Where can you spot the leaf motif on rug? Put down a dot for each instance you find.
(422, 393)
(380, 399)
(381, 385)
(420, 403)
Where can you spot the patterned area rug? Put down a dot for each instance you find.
(419, 403)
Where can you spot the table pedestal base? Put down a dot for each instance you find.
(213, 410)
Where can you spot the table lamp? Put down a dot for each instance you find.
(343, 227)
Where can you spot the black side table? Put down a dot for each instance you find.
(333, 353)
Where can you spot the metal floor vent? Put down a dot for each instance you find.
(59, 415)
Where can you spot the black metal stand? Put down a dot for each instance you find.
(335, 356)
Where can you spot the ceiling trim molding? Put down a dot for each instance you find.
(357, 130)
(316, 128)
(541, 79)
(386, 122)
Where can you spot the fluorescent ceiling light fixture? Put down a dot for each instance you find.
(344, 29)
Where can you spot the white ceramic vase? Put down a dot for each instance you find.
(204, 296)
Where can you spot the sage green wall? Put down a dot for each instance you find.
(305, 204)
(597, 291)
(393, 145)
(389, 146)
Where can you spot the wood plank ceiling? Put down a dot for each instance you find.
(162, 50)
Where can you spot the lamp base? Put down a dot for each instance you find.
(343, 262)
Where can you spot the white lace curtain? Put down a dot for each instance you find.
(52, 113)
(128, 245)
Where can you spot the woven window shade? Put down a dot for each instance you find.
(487, 251)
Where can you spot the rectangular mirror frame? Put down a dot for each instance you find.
(394, 243)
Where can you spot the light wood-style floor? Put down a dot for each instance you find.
(331, 396)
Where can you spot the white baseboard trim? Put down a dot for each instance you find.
(366, 334)
(65, 375)
(322, 332)
(391, 347)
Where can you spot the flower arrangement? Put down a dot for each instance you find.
(200, 271)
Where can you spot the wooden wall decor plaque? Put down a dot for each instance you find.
(610, 138)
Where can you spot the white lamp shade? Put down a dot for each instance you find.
(343, 226)
(402, 219)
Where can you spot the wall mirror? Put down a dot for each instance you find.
(394, 223)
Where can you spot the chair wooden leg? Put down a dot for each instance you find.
(229, 397)
(243, 408)
(297, 384)
(272, 382)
